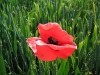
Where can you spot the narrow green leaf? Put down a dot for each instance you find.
(36, 33)
(80, 45)
(77, 71)
(67, 69)
(62, 67)
(2, 64)
(94, 37)
(73, 61)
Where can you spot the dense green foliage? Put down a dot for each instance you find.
(19, 20)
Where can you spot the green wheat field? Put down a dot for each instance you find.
(19, 20)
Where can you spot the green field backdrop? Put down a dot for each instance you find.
(19, 20)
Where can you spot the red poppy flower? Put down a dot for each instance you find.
(53, 42)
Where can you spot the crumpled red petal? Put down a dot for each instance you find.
(54, 30)
(63, 51)
(32, 43)
(49, 52)
(45, 53)
(41, 50)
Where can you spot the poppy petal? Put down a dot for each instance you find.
(63, 51)
(61, 55)
(31, 42)
(45, 53)
(41, 50)
(58, 51)
(54, 30)
(58, 47)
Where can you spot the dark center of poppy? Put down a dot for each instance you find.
(52, 41)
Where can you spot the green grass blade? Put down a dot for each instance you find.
(62, 67)
(2, 64)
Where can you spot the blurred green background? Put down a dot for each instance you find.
(19, 20)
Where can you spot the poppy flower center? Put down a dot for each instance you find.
(52, 41)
